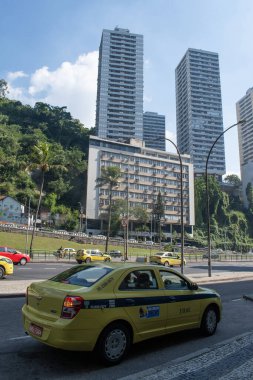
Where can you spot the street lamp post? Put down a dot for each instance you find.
(81, 217)
(182, 205)
(207, 196)
(127, 219)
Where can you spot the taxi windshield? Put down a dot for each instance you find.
(82, 276)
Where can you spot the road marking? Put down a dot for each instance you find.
(20, 337)
(237, 299)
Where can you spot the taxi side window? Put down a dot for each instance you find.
(173, 282)
(139, 280)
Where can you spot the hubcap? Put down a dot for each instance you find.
(115, 344)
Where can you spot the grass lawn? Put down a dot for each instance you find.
(47, 244)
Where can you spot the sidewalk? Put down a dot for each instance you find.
(17, 288)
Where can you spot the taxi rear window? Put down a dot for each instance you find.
(82, 276)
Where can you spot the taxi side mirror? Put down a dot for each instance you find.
(193, 286)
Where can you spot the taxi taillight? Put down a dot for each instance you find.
(71, 306)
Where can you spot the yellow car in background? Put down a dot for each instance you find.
(108, 307)
(6, 266)
(168, 259)
(90, 255)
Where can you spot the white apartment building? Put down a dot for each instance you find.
(244, 111)
(145, 173)
(199, 110)
(119, 111)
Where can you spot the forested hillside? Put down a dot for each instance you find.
(22, 129)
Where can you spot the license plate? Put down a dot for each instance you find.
(35, 330)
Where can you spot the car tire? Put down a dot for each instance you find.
(2, 272)
(23, 261)
(113, 344)
(107, 260)
(88, 260)
(79, 261)
(209, 321)
(166, 264)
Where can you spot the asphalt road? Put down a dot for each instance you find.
(22, 357)
(46, 270)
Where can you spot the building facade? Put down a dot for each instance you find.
(12, 210)
(145, 173)
(244, 111)
(119, 108)
(199, 110)
(154, 130)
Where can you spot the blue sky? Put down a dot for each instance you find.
(50, 51)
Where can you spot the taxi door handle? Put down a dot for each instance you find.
(130, 302)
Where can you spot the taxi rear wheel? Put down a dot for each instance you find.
(209, 321)
(166, 264)
(2, 272)
(114, 343)
(88, 260)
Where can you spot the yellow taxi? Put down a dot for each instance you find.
(108, 307)
(6, 266)
(89, 255)
(168, 259)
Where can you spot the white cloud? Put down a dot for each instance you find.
(15, 75)
(71, 84)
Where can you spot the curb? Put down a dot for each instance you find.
(159, 372)
(12, 295)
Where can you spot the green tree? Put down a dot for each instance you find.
(119, 208)
(233, 179)
(158, 212)
(3, 88)
(42, 161)
(110, 178)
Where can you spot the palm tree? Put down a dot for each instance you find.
(110, 177)
(42, 160)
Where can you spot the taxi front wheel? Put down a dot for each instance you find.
(209, 321)
(114, 343)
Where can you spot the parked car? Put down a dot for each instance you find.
(168, 259)
(6, 266)
(133, 241)
(106, 308)
(115, 253)
(69, 251)
(149, 242)
(102, 237)
(16, 256)
(89, 255)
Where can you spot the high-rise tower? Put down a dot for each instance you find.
(244, 110)
(119, 111)
(154, 130)
(199, 110)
